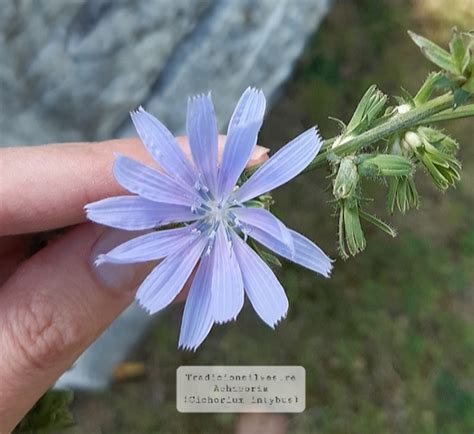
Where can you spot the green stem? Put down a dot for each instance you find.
(396, 123)
(436, 110)
(450, 114)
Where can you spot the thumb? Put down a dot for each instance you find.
(53, 308)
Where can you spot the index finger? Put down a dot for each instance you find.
(46, 187)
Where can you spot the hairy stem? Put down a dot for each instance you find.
(398, 122)
(437, 110)
(450, 114)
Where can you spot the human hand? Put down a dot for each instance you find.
(55, 303)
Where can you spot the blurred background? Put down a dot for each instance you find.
(388, 341)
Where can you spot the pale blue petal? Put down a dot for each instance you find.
(135, 213)
(309, 255)
(164, 283)
(305, 253)
(197, 317)
(151, 184)
(201, 127)
(241, 138)
(267, 296)
(264, 220)
(281, 167)
(163, 147)
(227, 284)
(150, 247)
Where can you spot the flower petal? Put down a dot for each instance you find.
(149, 247)
(162, 146)
(197, 317)
(283, 166)
(201, 127)
(151, 184)
(163, 284)
(265, 221)
(241, 138)
(261, 286)
(135, 213)
(227, 284)
(305, 253)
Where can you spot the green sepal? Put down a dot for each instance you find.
(457, 48)
(402, 193)
(440, 140)
(378, 223)
(351, 236)
(443, 168)
(347, 178)
(368, 109)
(269, 259)
(386, 165)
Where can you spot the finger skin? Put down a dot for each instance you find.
(46, 187)
(51, 309)
(54, 306)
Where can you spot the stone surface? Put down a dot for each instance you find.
(73, 70)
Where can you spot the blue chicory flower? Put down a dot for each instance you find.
(217, 219)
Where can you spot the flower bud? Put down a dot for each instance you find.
(436, 137)
(411, 141)
(346, 180)
(351, 236)
(402, 193)
(386, 165)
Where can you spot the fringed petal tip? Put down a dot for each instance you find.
(188, 347)
(193, 98)
(143, 305)
(101, 259)
(139, 109)
(278, 321)
(88, 210)
(225, 321)
(328, 267)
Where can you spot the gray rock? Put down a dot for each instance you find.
(72, 71)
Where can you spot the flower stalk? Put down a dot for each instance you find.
(388, 143)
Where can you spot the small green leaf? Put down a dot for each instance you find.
(435, 53)
(457, 48)
(466, 64)
(428, 87)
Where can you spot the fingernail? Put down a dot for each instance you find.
(120, 277)
(259, 152)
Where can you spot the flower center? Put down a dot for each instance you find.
(217, 212)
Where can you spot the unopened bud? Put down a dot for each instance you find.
(411, 141)
(346, 180)
(386, 165)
